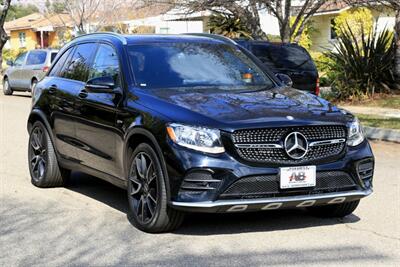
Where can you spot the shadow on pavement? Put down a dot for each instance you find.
(208, 224)
(21, 94)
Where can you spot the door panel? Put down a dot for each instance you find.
(96, 129)
(15, 75)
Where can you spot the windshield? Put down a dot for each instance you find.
(195, 66)
(283, 57)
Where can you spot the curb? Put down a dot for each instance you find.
(382, 134)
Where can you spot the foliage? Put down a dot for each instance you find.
(362, 66)
(19, 11)
(229, 26)
(358, 19)
(56, 6)
(11, 54)
(305, 37)
(322, 62)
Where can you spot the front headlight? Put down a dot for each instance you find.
(356, 135)
(197, 138)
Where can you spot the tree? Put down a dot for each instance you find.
(249, 10)
(90, 15)
(55, 6)
(5, 6)
(19, 11)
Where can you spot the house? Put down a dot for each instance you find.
(324, 35)
(38, 31)
(167, 20)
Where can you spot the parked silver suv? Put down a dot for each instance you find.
(27, 69)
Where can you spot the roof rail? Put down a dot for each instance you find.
(214, 36)
(117, 35)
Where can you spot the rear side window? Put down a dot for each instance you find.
(77, 67)
(36, 58)
(55, 71)
(283, 57)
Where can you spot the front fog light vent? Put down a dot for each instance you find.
(366, 169)
(199, 181)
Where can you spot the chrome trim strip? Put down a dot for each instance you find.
(258, 146)
(327, 142)
(221, 203)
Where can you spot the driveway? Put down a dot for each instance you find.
(86, 223)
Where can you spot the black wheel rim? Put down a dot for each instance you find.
(37, 149)
(143, 189)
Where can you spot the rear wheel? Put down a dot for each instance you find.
(147, 195)
(33, 85)
(6, 87)
(43, 164)
(335, 210)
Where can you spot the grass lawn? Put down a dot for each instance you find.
(378, 121)
(379, 100)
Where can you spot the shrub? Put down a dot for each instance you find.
(361, 66)
(360, 21)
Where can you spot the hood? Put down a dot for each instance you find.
(276, 105)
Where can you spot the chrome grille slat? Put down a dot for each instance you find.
(277, 155)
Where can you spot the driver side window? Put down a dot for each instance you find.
(106, 64)
(20, 59)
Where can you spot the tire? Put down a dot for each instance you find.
(7, 90)
(335, 210)
(43, 164)
(33, 85)
(147, 195)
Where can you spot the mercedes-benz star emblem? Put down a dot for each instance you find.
(296, 145)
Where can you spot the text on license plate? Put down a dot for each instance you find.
(295, 177)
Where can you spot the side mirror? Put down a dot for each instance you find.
(10, 63)
(103, 84)
(285, 79)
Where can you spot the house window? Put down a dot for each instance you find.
(333, 30)
(22, 39)
(164, 30)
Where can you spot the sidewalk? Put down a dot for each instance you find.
(377, 111)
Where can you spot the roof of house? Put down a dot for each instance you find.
(37, 20)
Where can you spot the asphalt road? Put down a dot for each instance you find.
(86, 223)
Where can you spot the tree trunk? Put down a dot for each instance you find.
(3, 40)
(3, 34)
(397, 44)
(285, 32)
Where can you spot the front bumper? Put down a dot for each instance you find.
(199, 182)
(222, 206)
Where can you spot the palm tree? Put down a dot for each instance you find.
(228, 26)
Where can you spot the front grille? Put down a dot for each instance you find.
(268, 186)
(277, 136)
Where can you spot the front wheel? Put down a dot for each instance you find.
(6, 87)
(147, 195)
(335, 210)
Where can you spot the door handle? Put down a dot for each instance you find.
(52, 89)
(83, 94)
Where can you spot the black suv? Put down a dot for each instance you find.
(192, 123)
(290, 59)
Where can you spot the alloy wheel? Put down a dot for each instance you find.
(143, 187)
(37, 149)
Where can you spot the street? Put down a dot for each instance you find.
(85, 224)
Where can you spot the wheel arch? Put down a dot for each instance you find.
(138, 135)
(38, 115)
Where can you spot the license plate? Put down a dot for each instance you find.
(295, 177)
